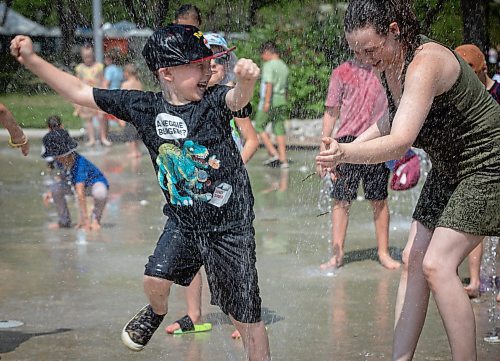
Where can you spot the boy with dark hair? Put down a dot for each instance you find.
(209, 200)
(222, 72)
(188, 14)
(273, 104)
(270, 47)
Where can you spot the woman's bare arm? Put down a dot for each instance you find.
(423, 82)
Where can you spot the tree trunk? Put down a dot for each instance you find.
(129, 5)
(474, 23)
(160, 10)
(431, 15)
(254, 6)
(66, 12)
(252, 12)
(141, 16)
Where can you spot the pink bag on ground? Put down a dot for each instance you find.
(406, 172)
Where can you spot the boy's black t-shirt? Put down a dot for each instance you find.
(198, 165)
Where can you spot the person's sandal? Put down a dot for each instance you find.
(187, 326)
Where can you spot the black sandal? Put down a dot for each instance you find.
(187, 326)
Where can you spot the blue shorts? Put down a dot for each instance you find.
(229, 260)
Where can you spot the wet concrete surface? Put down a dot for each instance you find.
(74, 291)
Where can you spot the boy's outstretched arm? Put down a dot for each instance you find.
(67, 85)
(246, 72)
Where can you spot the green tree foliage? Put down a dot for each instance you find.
(446, 24)
(493, 14)
(229, 16)
(441, 20)
(308, 32)
(36, 10)
(310, 43)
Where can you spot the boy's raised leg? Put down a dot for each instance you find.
(139, 330)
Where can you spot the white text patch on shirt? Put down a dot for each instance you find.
(170, 127)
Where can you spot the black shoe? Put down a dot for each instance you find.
(271, 161)
(138, 331)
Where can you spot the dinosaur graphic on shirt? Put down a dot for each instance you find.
(182, 171)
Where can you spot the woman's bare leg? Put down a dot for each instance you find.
(447, 250)
(413, 294)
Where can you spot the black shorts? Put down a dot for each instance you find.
(375, 179)
(229, 260)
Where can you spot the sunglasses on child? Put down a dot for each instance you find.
(221, 54)
(222, 60)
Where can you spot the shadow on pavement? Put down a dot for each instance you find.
(268, 316)
(370, 254)
(10, 340)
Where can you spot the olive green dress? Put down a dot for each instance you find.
(461, 135)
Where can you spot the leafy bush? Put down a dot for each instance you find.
(310, 46)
